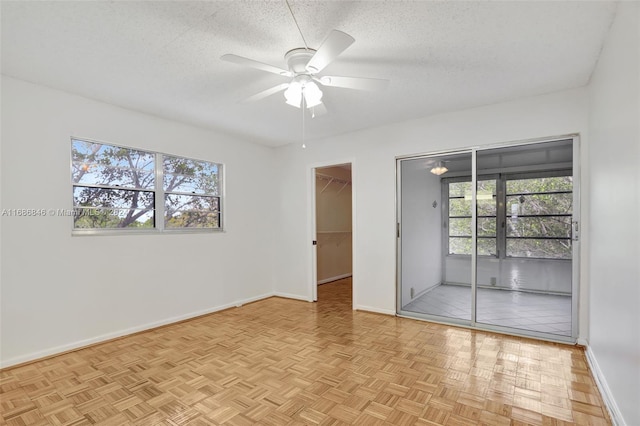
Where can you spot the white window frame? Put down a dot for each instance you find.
(159, 196)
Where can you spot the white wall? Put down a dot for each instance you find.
(421, 229)
(614, 173)
(60, 291)
(373, 153)
(542, 275)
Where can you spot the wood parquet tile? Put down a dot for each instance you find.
(286, 362)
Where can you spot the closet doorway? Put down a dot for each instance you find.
(333, 230)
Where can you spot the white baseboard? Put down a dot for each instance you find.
(375, 310)
(336, 278)
(250, 300)
(422, 292)
(121, 333)
(292, 296)
(601, 382)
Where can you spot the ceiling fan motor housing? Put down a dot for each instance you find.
(297, 60)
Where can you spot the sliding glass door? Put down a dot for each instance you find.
(425, 288)
(490, 240)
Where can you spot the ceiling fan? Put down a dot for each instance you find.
(303, 67)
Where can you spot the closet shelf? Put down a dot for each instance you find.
(333, 232)
(332, 179)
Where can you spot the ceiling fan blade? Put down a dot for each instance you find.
(335, 43)
(265, 93)
(255, 64)
(357, 83)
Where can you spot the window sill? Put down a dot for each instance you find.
(119, 232)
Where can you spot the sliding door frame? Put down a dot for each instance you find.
(398, 207)
(576, 228)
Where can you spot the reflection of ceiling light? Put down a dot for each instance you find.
(301, 86)
(439, 169)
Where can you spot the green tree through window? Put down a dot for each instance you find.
(460, 217)
(116, 188)
(537, 212)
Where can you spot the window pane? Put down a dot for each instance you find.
(486, 227)
(99, 164)
(112, 198)
(463, 189)
(460, 227)
(486, 196)
(462, 245)
(459, 245)
(459, 189)
(193, 176)
(107, 218)
(459, 207)
(112, 208)
(549, 249)
(487, 186)
(190, 211)
(486, 207)
(486, 247)
(555, 226)
(544, 184)
(534, 204)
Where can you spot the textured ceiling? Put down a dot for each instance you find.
(162, 58)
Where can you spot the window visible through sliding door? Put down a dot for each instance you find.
(487, 238)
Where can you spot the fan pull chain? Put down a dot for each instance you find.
(298, 26)
(303, 105)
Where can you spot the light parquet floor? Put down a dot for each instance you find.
(281, 362)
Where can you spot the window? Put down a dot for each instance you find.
(535, 217)
(118, 188)
(191, 196)
(538, 211)
(459, 196)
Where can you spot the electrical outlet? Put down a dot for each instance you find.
(493, 281)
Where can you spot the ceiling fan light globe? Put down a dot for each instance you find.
(293, 95)
(312, 103)
(312, 94)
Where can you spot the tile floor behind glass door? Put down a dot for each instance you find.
(546, 313)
